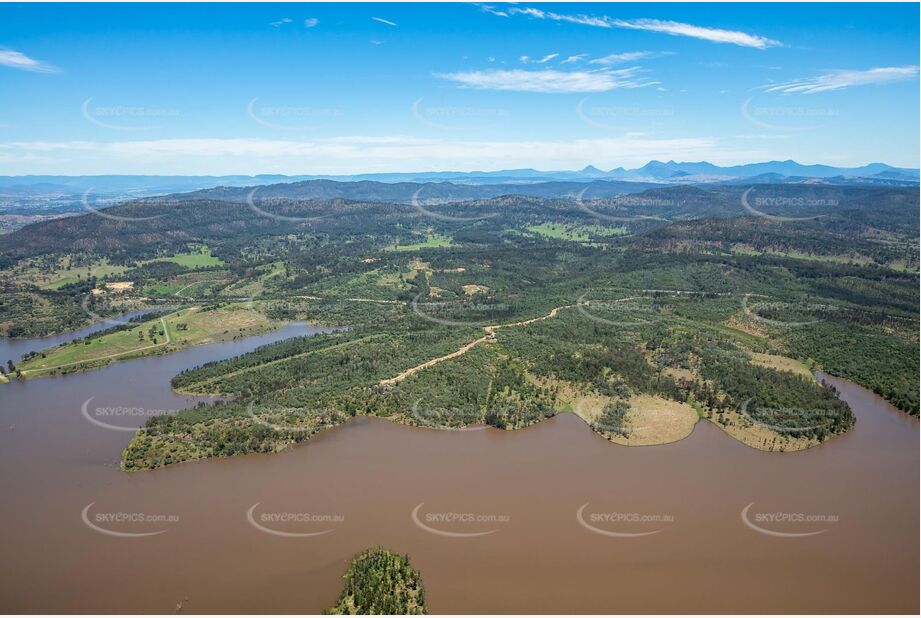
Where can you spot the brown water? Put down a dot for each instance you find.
(366, 478)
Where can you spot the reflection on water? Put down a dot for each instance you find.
(514, 505)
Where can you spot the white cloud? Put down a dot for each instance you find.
(18, 60)
(574, 58)
(716, 35)
(383, 21)
(351, 154)
(488, 8)
(586, 20)
(838, 80)
(282, 21)
(622, 58)
(311, 22)
(542, 60)
(550, 81)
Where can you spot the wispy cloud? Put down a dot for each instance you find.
(574, 58)
(625, 57)
(282, 21)
(383, 21)
(715, 35)
(585, 20)
(18, 60)
(674, 28)
(542, 60)
(838, 80)
(550, 81)
(311, 22)
(488, 8)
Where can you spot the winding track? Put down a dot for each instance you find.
(489, 336)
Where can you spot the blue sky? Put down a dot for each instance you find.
(323, 88)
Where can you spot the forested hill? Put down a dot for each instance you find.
(137, 228)
(405, 192)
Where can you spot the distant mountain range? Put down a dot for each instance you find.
(64, 193)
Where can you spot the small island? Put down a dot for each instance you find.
(380, 581)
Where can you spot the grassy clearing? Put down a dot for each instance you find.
(651, 419)
(193, 259)
(655, 420)
(760, 437)
(179, 330)
(575, 233)
(782, 363)
(432, 241)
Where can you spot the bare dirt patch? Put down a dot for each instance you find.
(781, 363)
(119, 286)
(472, 289)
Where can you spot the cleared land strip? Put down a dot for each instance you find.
(108, 356)
(354, 300)
(178, 293)
(490, 334)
